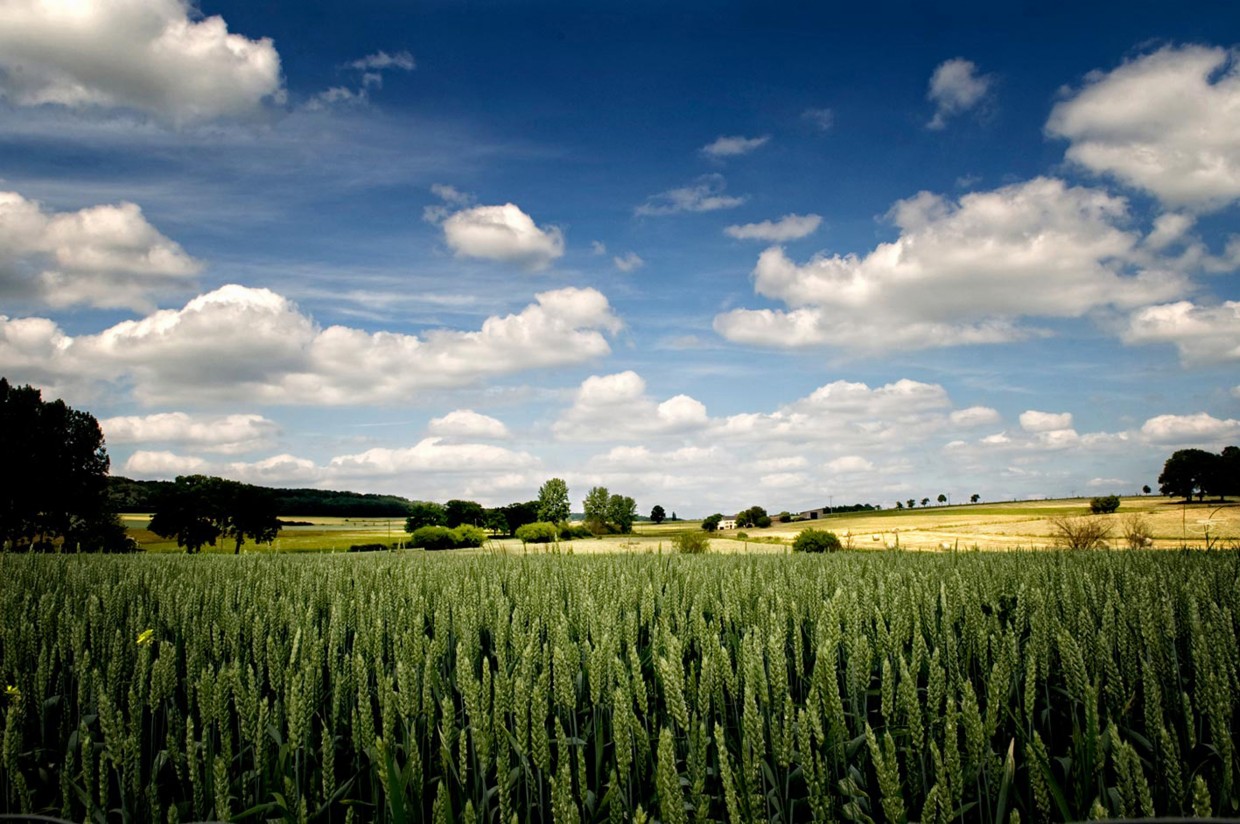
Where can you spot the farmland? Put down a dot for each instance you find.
(1016, 525)
(621, 687)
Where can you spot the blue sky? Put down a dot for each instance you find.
(707, 255)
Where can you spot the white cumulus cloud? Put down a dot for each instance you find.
(788, 227)
(960, 272)
(1166, 122)
(1199, 429)
(152, 56)
(955, 87)
(503, 233)
(466, 423)
(105, 256)
(1202, 334)
(253, 344)
(228, 434)
(1035, 421)
(618, 406)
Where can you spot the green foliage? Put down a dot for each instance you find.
(468, 535)
(816, 540)
(553, 506)
(691, 543)
(1191, 472)
(433, 537)
(570, 531)
(441, 537)
(457, 512)
(711, 522)
(539, 532)
(55, 494)
(425, 513)
(400, 687)
(198, 510)
(755, 516)
(1104, 505)
(658, 515)
(621, 512)
(594, 508)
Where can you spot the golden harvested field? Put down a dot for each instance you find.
(1017, 525)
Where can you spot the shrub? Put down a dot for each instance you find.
(539, 532)
(816, 540)
(468, 535)
(368, 548)
(691, 543)
(1104, 505)
(742, 536)
(1137, 532)
(570, 532)
(1080, 533)
(711, 523)
(433, 537)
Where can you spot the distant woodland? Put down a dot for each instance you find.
(128, 495)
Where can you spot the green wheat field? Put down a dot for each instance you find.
(874, 686)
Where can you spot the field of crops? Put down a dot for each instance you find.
(408, 687)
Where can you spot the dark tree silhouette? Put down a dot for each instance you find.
(56, 469)
(658, 515)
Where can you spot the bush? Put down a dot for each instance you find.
(539, 532)
(569, 532)
(816, 540)
(368, 548)
(742, 536)
(1080, 533)
(1137, 532)
(468, 535)
(691, 543)
(433, 537)
(1104, 505)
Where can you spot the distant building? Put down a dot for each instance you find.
(728, 522)
(811, 514)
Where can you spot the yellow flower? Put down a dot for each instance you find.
(13, 693)
(145, 637)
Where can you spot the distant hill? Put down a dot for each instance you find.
(129, 495)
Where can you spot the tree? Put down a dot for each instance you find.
(754, 516)
(1189, 472)
(911, 503)
(1104, 505)
(974, 498)
(1228, 481)
(1145, 490)
(942, 498)
(519, 514)
(595, 507)
(190, 512)
(457, 512)
(899, 504)
(425, 513)
(56, 468)
(711, 523)
(251, 514)
(495, 522)
(658, 515)
(621, 512)
(553, 504)
(925, 502)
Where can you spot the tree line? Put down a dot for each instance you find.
(130, 495)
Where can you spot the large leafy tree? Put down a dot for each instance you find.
(621, 512)
(190, 511)
(425, 513)
(658, 514)
(1189, 472)
(458, 512)
(553, 506)
(595, 508)
(198, 510)
(56, 469)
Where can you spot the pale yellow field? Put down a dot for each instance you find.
(1018, 525)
